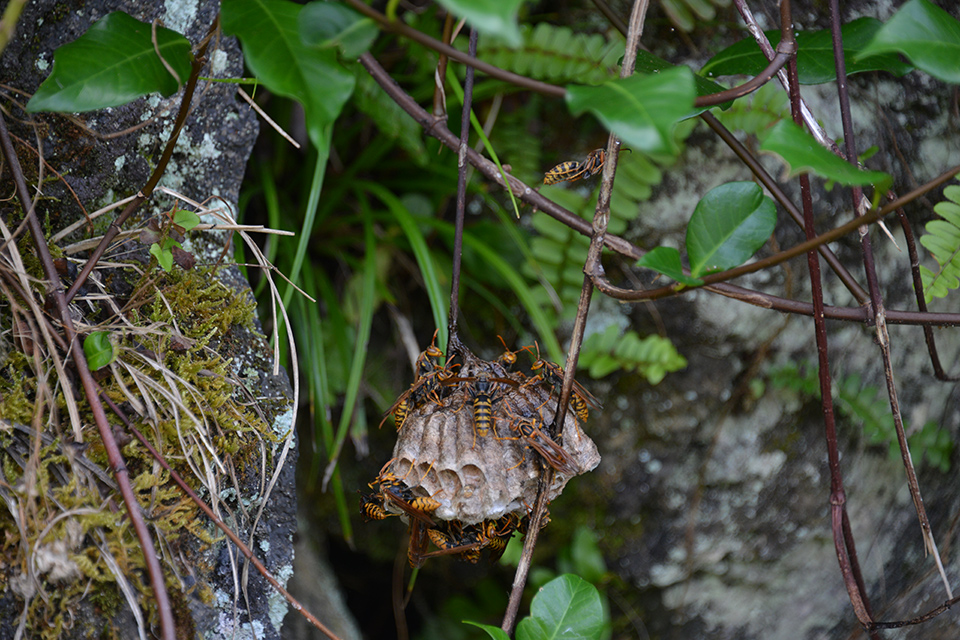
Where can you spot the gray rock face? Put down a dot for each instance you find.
(717, 477)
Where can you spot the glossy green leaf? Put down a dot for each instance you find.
(926, 34)
(491, 17)
(666, 260)
(566, 608)
(649, 64)
(802, 153)
(641, 109)
(730, 223)
(494, 632)
(327, 24)
(114, 62)
(164, 253)
(98, 349)
(815, 64)
(274, 52)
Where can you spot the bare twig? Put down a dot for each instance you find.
(843, 544)
(461, 192)
(592, 265)
(876, 300)
(198, 63)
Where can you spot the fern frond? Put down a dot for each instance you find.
(557, 54)
(682, 13)
(390, 119)
(942, 240)
(652, 357)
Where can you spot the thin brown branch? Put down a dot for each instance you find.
(198, 63)
(877, 304)
(463, 145)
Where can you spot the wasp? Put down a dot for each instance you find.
(571, 171)
(497, 534)
(483, 398)
(426, 387)
(552, 374)
(398, 493)
(549, 450)
(465, 542)
(417, 549)
(506, 360)
(371, 507)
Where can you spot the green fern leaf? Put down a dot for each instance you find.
(942, 240)
(652, 357)
(557, 54)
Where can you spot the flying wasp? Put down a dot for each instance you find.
(571, 171)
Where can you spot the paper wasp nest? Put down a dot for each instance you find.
(442, 453)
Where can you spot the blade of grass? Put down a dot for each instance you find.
(309, 215)
(435, 293)
(367, 301)
(272, 202)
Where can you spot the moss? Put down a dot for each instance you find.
(63, 497)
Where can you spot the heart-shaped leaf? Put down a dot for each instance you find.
(114, 62)
(926, 34)
(325, 24)
(274, 52)
(641, 109)
(815, 63)
(730, 223)
(666, 260)
(802, 153)
(566, 608)
(98, 348)
(491, 17)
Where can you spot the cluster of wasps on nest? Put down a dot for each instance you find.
(472, 439)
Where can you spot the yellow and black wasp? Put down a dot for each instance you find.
(538, 440)
(463, 541)
(552, 374)
(571, 171)
(371, 507)
(429, 378)
(399, 494)
(497, 534)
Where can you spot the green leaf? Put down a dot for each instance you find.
(164, 253)
(730, 223)
(815, 64)
(587, 559)
(491, 17)
(649, 64)
(274, 52)
(325, 24)
(111, 64)
(186, 219)
(641, 109)
(98, 348)
(566, 608)
(926, 34)
(494, 632)
(802, 153)
(666, 260)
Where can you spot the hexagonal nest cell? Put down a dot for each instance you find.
(473, 438)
